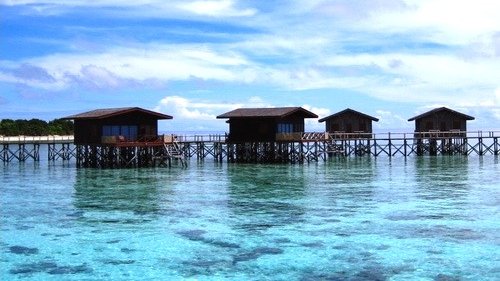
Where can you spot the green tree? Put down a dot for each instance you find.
(35, 127)
(8, 127)
(60, 127)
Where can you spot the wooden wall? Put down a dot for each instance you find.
(89, 131)
(261, 129)
(442, 121)
(349, 123)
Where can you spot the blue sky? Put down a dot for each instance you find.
(392, 59)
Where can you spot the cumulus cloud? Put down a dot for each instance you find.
(312, 124)
(390, 121)
(183, 108)
(201, 115)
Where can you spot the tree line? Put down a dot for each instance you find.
(35, 127)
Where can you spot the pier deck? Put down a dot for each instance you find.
(290, 148)
(35, 139)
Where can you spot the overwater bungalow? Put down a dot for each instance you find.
(266, 124)
(441, 119)
(116, 125)
(349, 122)
(122, 137)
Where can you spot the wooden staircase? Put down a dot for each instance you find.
(174, 151)
(334, 147)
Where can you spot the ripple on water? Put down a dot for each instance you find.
(21, 250)
(50, 267)
(334, 220)
(256, 253)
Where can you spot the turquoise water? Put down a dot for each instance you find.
(428, 218)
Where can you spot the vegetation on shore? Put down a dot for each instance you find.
(35, 127)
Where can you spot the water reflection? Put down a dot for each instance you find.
(117, 192)
(442, 177)
(350, 170)
(348, 180)
(269, 195)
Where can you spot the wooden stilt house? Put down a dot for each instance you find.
(266, 124)
(122, 138)
(116, 125)
(349, 122)
(441, 119)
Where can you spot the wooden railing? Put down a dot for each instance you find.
(307, 136)
(289, 136)
(202, 138)
(415, 135)
(36, 139)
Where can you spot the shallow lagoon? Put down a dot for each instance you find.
(425, 218)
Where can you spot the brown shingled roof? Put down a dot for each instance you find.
(266, 112)
(435, 110)
(108, 112)
(346, 111)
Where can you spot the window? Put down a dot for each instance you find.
(285, 128)
(106, 131)
(129, 132)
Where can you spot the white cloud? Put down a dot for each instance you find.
(201, 115)
(312, 124)
(447, 21)
(115, 66)
(286, 42)
(145, 8)
(216, 8)
(192, 116)
(183, 108)
(423, 78)
(377, 48)
(390, 121)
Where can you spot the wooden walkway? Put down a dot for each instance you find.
(316, 146)
(22, 148)
(292, 148)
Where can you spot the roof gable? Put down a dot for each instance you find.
(110, 112)
(440, 109)
(276, 112)
(348, 110)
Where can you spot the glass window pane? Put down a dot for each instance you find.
(106, 130)
(124, 131)
(115, 130)
(133, 132)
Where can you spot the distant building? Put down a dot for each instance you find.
(266, 124)
(111, 125)
(349, 121)
(441, 119)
